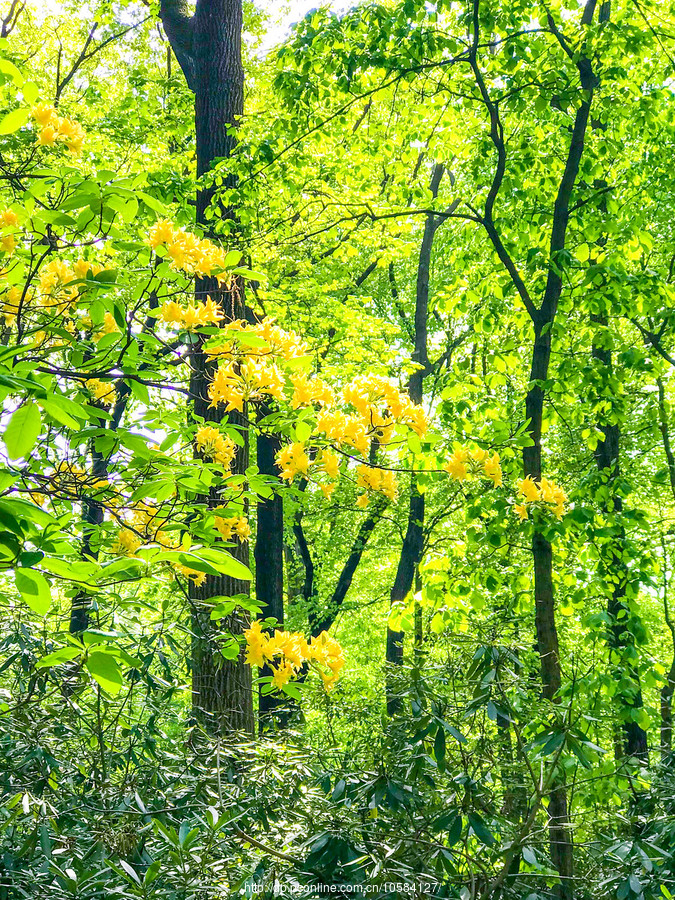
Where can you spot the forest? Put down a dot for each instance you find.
(337, 449)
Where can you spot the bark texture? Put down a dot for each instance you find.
(413, 542)
(269, 563)
(615, 571)
(208, 48)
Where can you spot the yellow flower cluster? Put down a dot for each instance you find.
(374, 480)
(546, 492)
(57, 290)
(83, 268)
(381, 406)
(210, 442)
(8, 220)
(476, 462)
(287, 652)
(234, 525)
(127, 542)
(293, 460)
(102, 391)
(310, 390)
(53, 128)
(187, 252)
(192, 316)
(344, 430)
(10, 308)
(260, 339)
(109, 325)
(234, 384)
(247, 369)
(197, 577)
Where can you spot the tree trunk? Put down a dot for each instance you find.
(269, 565)
(208, 48)
(669, 687)
(613, 565)
(413, 542)
(560, 836)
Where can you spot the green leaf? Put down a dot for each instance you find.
(22, 430)
(105, 670)
(223, 562)
(8, 68)
(34, 589)
(14, 120)
(481, 830)
(54, 409)
(439, 747)
(58, 657)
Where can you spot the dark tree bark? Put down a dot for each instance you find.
(93, 512)
(92, 519)
(208, 48)
(669, 686)
(269, 564)
(413, 542)
(543, 318)
(613, 566)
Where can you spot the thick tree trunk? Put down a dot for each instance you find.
(222, 692)
(413, 542)
(621, 642)
(560, 836)
(269, 565)
(208, 48)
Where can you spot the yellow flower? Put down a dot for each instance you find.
(83, 267)
(327, 490)
(282, 673)
(456, 465)
(547, 490)
(362, 501)
(44, 114)
(109, 324)
(160, 233)
(256, 642)
(528, 489)
(293, 460)
(521, 511)
(171, 311)
(374, 479)
(227, 387)
(330, 463)
(8, 219)
(127, 542)
(212, 443)
(196, 577)
(302, 391)
(493, 469)
(103, 391)
(47, 136)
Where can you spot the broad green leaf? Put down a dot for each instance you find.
(34, 589)
(22, 430)
(14, 120)
(105, 670)
(58, 657)
(56, 411)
